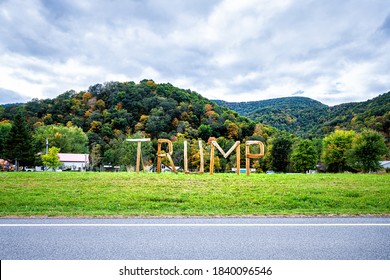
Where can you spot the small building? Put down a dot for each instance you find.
(112, 168)
(243, 170)
(74, 162)
(164, 168)
(385, 164)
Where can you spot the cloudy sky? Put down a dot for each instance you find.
(236, 50)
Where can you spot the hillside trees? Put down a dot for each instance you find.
(205, 131)
(157, 122)
(156, 110)
(298, 115)
(69, 139)
(308, 118)
(99, 119)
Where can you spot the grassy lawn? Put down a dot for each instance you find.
(149, 194)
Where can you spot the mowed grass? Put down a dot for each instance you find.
(150, 194)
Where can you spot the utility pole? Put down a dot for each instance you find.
(47, 151)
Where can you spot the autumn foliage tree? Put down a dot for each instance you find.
(337, 147)
(368, 148)
(68, 139)
(51, 159)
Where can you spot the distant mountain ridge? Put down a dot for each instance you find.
(310, 118)
(245, 108)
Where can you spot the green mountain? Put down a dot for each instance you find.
(374, 113)
(309, 118)
(298, 115)
(107, 110)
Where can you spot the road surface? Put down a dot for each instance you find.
(340, 238)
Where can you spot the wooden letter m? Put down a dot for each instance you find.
(225, 155)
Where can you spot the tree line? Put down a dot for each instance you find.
(99, 121)
(309, 118)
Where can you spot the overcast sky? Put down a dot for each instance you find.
(334, 51)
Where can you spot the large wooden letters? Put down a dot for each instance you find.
(167, 154)
(201, 168)
(248, 154)
(225, 155)
(138, 150)
(214, 144)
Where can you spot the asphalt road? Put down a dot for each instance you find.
(338, 238)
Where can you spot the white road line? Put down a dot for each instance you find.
(195, 225)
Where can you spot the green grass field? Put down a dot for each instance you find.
(150, 194)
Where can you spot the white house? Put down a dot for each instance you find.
(385, 164)
(77, 162)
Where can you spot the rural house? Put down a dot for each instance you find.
(385, 164)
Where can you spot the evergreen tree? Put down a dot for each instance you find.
(19, 142)
(5, 128)
(280, 152)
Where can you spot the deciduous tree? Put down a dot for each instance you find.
(51, 159)
(304, 156)
(367, 150)
(337, 146)
(205, 131)
(68, 139)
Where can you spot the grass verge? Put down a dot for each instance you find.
(149, 194)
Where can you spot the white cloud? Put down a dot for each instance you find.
(332, 51)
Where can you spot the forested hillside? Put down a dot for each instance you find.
(297, 115)
(374, 114)
(111, 112)
(159, 110)
(309, 118)
(99, 121)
